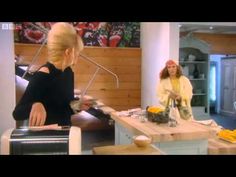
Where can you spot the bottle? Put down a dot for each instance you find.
(195, 72)
(173, 115)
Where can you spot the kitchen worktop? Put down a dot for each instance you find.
(185, 130)
(187, 137)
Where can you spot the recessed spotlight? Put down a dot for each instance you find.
(180, 25)
(211, 27)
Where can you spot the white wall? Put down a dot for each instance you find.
(159, 42)
(7, 79)
(217, 59)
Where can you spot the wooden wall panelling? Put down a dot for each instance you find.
(125, 62)
(220, 43)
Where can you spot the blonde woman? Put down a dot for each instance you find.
(49, 93)
(173, 84)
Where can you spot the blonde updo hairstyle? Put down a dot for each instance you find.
(61, 37)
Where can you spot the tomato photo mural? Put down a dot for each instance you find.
(104, 34)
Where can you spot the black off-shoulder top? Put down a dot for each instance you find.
(55, 90)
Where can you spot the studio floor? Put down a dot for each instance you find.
(225, 121)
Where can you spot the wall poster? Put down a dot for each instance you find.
(103, 34)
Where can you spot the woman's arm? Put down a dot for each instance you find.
(187, 91)
(37, 114)
(162, 93)
(33, 94)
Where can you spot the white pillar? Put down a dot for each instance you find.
(159, 42)
(7, 77)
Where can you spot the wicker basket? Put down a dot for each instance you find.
(161, 117)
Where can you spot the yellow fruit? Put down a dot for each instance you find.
(154, 109)
(227, 135)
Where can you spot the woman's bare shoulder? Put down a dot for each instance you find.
(44, 70)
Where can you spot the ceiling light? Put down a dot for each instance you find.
(211, 27)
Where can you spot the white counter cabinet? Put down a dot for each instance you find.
(184, 139)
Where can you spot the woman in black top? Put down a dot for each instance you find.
(49, 93)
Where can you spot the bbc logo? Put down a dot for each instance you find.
(7, 26)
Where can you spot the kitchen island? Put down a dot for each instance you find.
(186, 138)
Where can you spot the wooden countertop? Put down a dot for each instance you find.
(130, 149)
(221, 147)
(185, 130)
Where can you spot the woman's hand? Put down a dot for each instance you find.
(174, 96)
(81, 105)
(37, 115)
(85, 104)
(178, 97)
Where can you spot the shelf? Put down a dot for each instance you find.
(200, 84)
(192, 62)
(198, 79)
(199, 94)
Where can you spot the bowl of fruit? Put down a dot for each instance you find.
(157, 114)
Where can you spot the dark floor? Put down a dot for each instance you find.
(225, 121)
(97, 138)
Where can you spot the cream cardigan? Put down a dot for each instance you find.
(186, 90)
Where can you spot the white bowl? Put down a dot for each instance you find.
(142, 140)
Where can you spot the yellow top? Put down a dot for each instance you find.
(176, 87)
(175, 84)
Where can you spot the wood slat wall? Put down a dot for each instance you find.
(125, 62)
(220, 43)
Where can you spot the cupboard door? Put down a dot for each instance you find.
(122, 136)
(228, 86)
